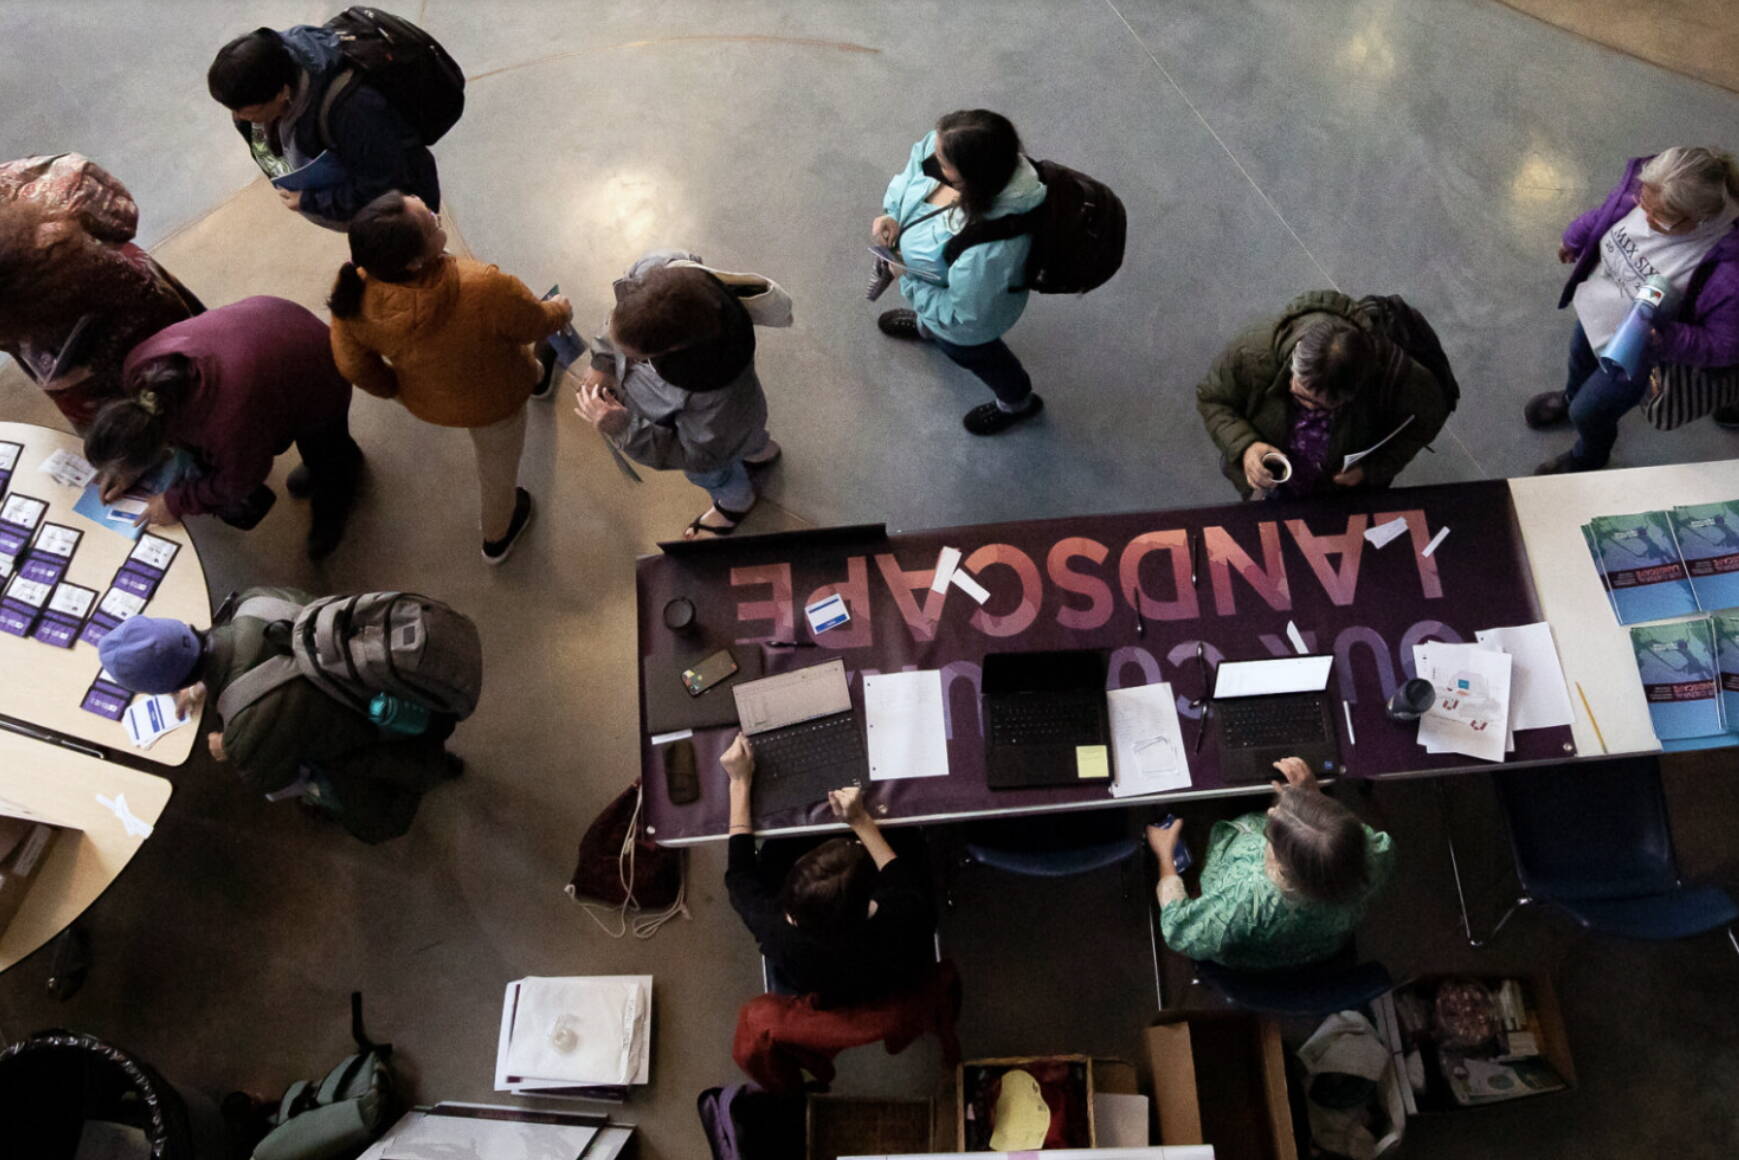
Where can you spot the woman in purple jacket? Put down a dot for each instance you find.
(234, 388)
(1673, 216)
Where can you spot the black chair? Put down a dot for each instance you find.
(1594, 840)
(1339, 984)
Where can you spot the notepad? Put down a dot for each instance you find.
(905, 725)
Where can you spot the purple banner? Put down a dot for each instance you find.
(1076, 583)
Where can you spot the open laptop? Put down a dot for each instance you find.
(805, 736)
(1040, 709)
(1268, 709)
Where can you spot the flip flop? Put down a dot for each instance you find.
(698, 525)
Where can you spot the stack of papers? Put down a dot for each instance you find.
(1146, 741)
(1681, 676)
(1661, 564)
(1509, 680)
(585, 1037)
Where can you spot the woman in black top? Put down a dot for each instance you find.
(852, 922)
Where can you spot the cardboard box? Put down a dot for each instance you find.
(1219, 1078)
(24, 846)
(1546, 1027)
(848, 1126)
(1113, 1075)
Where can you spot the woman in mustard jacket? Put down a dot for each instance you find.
(451, 339)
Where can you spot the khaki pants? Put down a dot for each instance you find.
(498, 446)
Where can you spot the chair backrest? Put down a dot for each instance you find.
(1060, 863)
(1590, 830)
(1315, 990)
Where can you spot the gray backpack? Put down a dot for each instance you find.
(352, 647)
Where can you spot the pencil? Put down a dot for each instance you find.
(1352, 738)
(1589, 709)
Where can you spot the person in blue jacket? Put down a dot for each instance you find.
(294, 96)
(969, 169)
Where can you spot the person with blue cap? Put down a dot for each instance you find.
(294, 740)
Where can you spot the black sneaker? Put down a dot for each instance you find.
(1547, 409)
(300, 482)
(990, 419)
(546, 357)
(1727, 417)
(900, 324)
(497, 551)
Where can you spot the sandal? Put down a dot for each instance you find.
(698, 525)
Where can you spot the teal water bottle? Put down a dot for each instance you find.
(398, 715)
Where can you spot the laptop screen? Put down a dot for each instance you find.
(800, 695)
(1307, 674)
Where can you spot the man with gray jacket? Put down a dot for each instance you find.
(673, 384)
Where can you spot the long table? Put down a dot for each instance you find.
(1076, 583)
(43, 685)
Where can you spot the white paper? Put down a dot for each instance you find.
(963, 580)
(905, 724)
(1442, 534)
(9, 455)
(31, 592)
(57, 540)
(501, 1134)
(149, 718)
(946, 562)
(153, 551)
(68, 469)
(1380, 535)
(828, 612)
(1539, 697)
(71, 600)
(1269, 677)
(607, 1019)
(1470, 714)
(125, 511)
(1297, 639)
(23, 511)
(122, 604)
(1146, 741)
(1354, 457)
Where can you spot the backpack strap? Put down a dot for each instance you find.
(254, 684)
(323, 123)
(268, 608)
(1699, 278)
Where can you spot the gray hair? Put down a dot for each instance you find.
(1333, 359)
(1693, 180)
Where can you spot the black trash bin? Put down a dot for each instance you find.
(55, 1082)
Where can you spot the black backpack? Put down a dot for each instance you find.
(1391, 317)
(1078, 233)
(409, 67)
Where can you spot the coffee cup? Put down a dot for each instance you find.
(1412, 698)
(1278, 466)
(679, 615)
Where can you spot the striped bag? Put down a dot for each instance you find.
(1678, 394)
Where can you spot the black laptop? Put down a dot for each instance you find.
(805, 736)
(1268, 709)
(1040, 710)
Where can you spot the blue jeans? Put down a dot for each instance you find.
(995, 364)
(729, 485)
(1597, 401)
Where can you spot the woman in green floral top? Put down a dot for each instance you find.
(1279, 889)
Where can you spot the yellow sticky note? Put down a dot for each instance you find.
(1092, 761)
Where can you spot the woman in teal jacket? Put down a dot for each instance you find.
(969, 168)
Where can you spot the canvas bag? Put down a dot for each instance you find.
(352, 647)
(622, 869)
(768, 303)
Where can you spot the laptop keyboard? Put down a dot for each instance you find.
(1258, 724)
(797, 749)
(1044, 721)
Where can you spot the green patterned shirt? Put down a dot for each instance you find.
(1244, 921)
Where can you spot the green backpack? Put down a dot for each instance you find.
(341, 1114)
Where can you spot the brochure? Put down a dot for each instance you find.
(324, 172)
(1726, 625)
(1708, 540)
(1679, 677)
(1639, 561)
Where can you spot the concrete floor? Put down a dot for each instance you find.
(1428, 148)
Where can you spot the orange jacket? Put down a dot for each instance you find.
(453, 346)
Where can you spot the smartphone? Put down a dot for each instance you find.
(681, 781)
(1181, 859)
(720, 666)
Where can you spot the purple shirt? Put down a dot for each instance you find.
(1307, 447)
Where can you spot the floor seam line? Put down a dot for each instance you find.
(1218, 140)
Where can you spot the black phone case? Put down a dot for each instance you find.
(681, 781)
